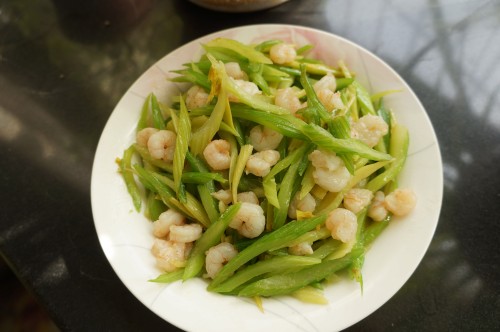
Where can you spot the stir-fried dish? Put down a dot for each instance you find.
(272, 172)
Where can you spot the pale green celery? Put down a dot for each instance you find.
(363, 98)
(169, 277)
(285, 195)
(265, 46)
(158, 121)
(239, 168)
(203, 136)
(377, 97)
(332, 200)
(271, 73)
(230, 86)
(353, 104)
(192, 76)
(323, 139)
(202, 177)
(208, 239)
(228, 129)
(205, 190)
(309, 294)
(304, 49)
(286, 124)
(225, 55)
(315, 68)
(374, 230)
(154, 206)
(287, 283)
(192, 205)
(181, 148)
(233, 152)
(275, 264)
(167, 195)
(328, 246)
(398, 149)
(307, 182)
(175, 119)
(144, 118)
(344, 69)
(247, 51)
(311, 236)
(128, 176)
(271, 192)
(143, 151)
(269, 241)
(313, 102)
(294, 157)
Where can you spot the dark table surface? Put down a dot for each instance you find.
(64, 65)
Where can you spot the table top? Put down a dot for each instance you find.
(64, 66)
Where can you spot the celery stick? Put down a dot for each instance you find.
(323, 139)
(399, 150)
(181, 148)
(169, 277)
(128, 176)
(287, 283)
(269, 241)
(247, 51)
(208, 239)
(239, 168)
(275, 264)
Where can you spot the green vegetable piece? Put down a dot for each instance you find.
(191, 76)
(247, 51)
(239, 168)
(144, 117)
(286, 283)
(143, 151)
(128, 176)
(323, 139)
(205, 190)
(208, 239)
(270, 241)
(285, 195)
(275, 264)
(155, 206)
(400, 140)
(181, 148)
(169, 277)
(363, 98)
(158, 121)
(202, 177)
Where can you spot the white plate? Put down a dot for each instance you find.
(126, 236)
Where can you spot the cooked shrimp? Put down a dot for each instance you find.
(260, 163)
(331, 100)
(170, 255)
(217, 154)
(301, 249)
(185, 233)
(143, 135)
(249, 197)
(327, 82)
(329, 172)
(369, 129)
(377, 210)
(161, 145)
(282, 53)
(343, 224)
(287, 98)
(218, 256)
(223, 195)
(196, 97)
(161, 227)
(264, 138)
(357, 199)
(248, 87)
(400, 202)
(306, 204)
(233, 70)
(249, 221)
